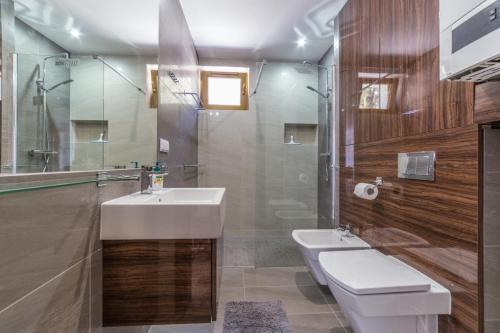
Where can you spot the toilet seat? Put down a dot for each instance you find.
(371, 272)
(381, 294)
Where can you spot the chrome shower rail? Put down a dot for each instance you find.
(123, 76)
(259, 76)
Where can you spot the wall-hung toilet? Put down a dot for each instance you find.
(381, 294)
(312, 242)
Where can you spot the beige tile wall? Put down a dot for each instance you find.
(50, 262)
(271, 187)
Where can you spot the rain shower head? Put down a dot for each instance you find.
(67, 62)
(318, 92)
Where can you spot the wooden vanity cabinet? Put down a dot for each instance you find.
(155, 282)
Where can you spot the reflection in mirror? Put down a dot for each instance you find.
(374, 96)
(378, 91)
(79, 88)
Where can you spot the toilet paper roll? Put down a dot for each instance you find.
(366, 191)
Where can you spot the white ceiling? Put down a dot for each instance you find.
(237, 29)
(261, 29)
(107, 26)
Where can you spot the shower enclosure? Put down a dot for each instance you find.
(50, 106)
(81, 113)
(293, 156)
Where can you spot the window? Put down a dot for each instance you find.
(377, 94)
(224, 91)
(374, 96)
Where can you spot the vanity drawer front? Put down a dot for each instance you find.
(151, 282)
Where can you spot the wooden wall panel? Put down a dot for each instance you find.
(433, 226)
(420, 35)
(456, 105)
(487, 103)
(157, 282)
(407, 34)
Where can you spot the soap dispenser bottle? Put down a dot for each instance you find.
(157, 178)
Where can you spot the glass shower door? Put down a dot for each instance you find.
(286, 161)
(55, 114)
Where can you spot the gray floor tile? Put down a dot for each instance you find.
(342, 319)
(297, 299)
(315, 323)
(277, 276)
(196, 328)
(232, 277)
(231, 294)
(330, 298)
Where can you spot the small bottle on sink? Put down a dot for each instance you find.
(157, 178)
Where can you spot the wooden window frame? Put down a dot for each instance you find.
(243, 90)
(392, 85)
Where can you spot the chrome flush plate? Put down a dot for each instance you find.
(419, 166)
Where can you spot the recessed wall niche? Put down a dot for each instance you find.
(302, 134)
(87, 139)
(89, 131)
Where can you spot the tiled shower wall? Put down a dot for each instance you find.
(98, 94)
(227, 152)
(50, 267)
(177, 115)
(286, 178)
(491, 232)
(32, 47)
(7, 24)
(271, 187)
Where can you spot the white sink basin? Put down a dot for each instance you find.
(176, 213)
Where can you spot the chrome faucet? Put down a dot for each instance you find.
(146, 186)
(347, 229)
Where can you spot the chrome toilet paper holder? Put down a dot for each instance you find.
(379, 181)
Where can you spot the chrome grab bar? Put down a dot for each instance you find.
(42, 152)
(185, 166)
(102, 177)
(196, 98)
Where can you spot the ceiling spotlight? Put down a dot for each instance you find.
(75, 33)
(301, 42)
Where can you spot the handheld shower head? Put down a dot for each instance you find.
(308, 63)
(59, 84)
(318, 92)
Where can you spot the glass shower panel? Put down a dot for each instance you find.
(89, 130)
(129, 112)
(326, 154)
(55, 116)
(287, 161)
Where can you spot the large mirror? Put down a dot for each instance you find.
(78, 86)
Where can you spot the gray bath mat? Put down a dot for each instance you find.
(255, 317)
